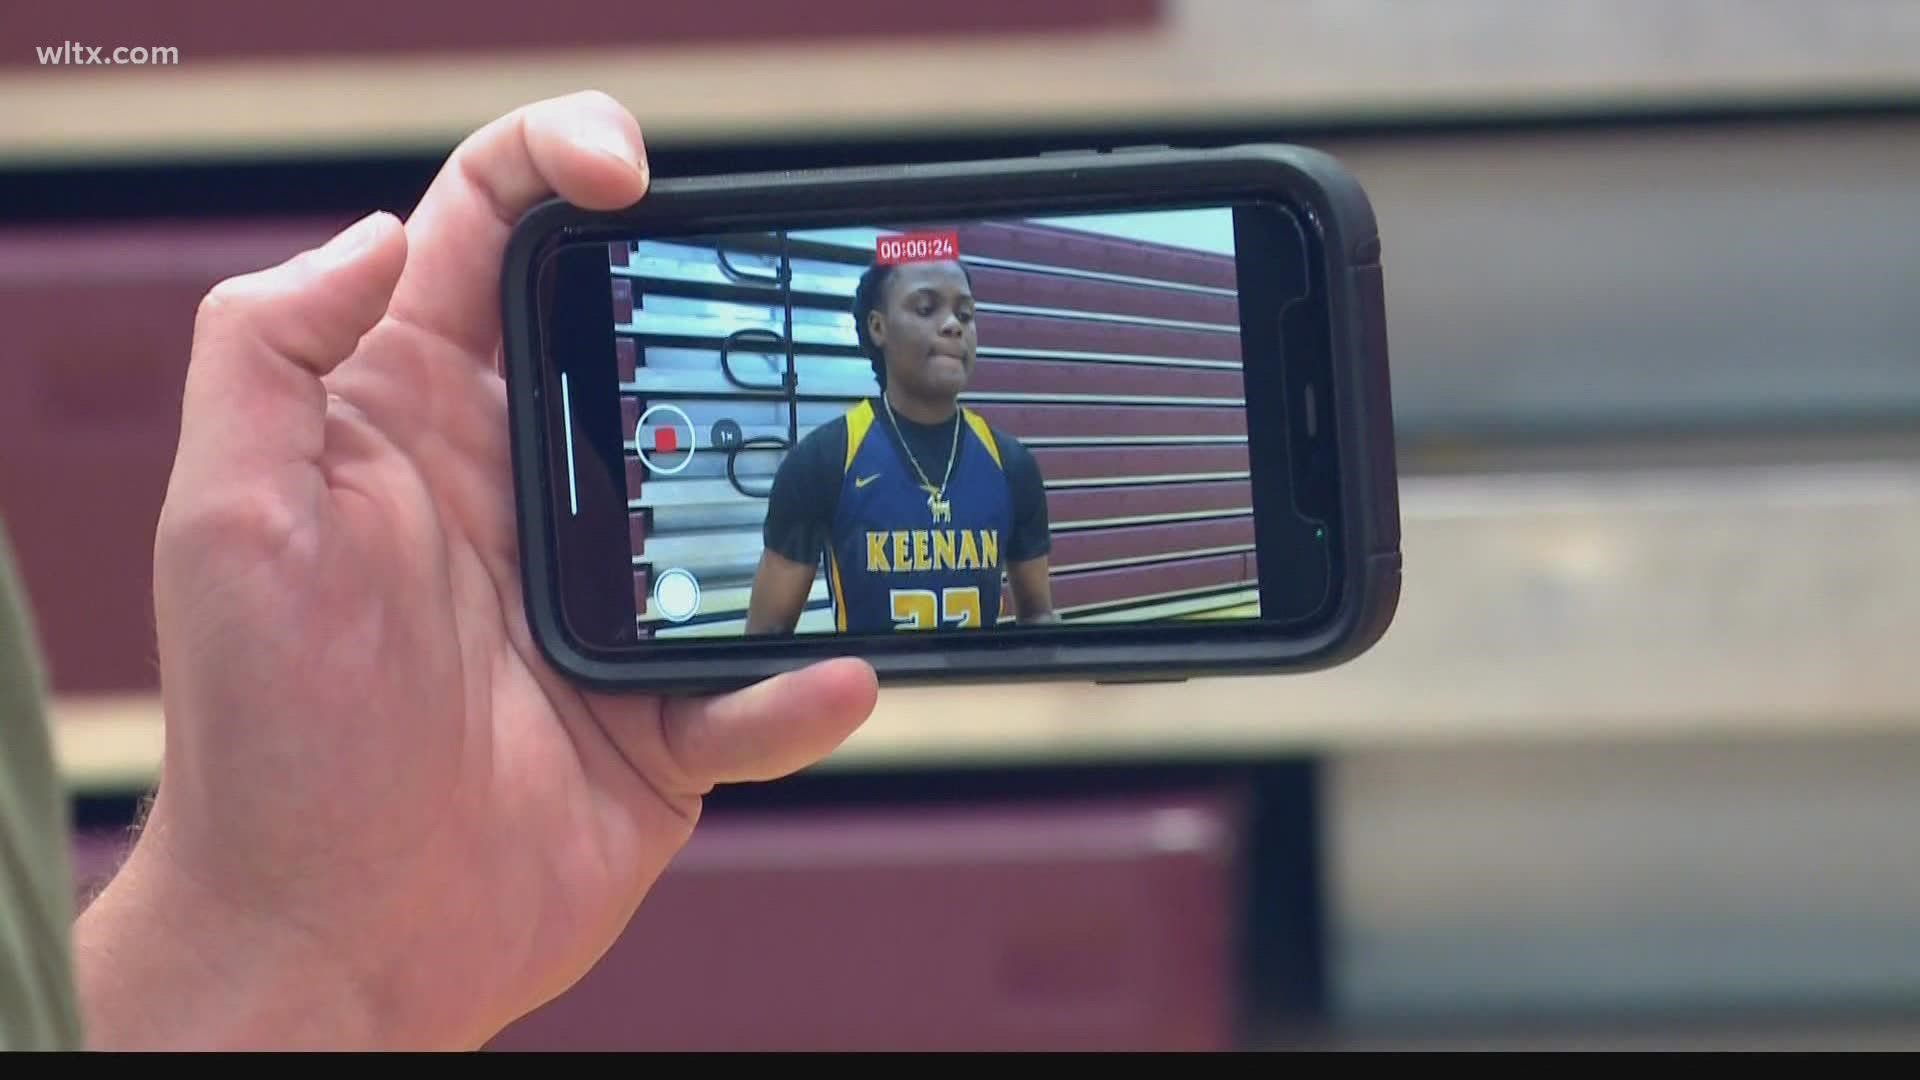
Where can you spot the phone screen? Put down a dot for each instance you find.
(1034, 423)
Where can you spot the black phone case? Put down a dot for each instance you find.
(1332, 203)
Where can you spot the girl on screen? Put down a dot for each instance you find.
(918, 506)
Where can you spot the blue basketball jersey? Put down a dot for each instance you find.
(898, 563)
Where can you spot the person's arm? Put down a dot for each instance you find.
(331, 803)
(1032, 540)
(1032, 592)
(799, 516)
(165, 963)
(780, 590)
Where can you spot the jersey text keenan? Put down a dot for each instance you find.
(917, 551)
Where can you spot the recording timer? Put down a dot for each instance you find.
(917, 247)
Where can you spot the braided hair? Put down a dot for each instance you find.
(866, 297)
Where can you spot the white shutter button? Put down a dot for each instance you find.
(677, 595)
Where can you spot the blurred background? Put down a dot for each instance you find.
(1639, 762)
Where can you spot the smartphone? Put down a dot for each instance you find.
(1108, 416)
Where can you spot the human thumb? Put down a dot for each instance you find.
(763, 732)
(254, 403)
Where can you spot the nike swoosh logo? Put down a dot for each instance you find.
(863, 481)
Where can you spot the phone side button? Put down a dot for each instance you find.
(1141, 148)
(1137, 680)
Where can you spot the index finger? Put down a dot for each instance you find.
(584, 147)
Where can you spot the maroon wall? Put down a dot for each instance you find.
(99, 323)
(1100, 925)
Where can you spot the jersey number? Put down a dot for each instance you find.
(920, 609)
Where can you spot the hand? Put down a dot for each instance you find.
(382, 820)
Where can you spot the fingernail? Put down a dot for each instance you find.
(348, 246)
(606, 140)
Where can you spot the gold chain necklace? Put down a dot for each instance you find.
(936, 501)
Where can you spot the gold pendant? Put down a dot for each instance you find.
(942, 510)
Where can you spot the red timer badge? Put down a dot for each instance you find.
(917, 247)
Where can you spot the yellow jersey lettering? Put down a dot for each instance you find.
(919, 551)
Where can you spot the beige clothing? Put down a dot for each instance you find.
(38, 1006)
